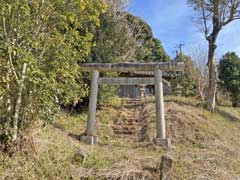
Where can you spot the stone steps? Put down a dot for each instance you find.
(131, 102)
(127, 124)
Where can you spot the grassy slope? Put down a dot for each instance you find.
(205, 145)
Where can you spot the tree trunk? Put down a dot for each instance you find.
(217, 99)
(201, 89)
(8, 101)
(212, 84)
(18, 103)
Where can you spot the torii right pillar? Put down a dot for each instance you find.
(161, 139)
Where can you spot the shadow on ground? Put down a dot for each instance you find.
(227, 115)
(63, 129)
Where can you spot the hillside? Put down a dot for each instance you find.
(205, 145)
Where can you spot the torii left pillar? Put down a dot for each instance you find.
(160, 117)
(90, 137)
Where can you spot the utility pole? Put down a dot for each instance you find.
(179, 46)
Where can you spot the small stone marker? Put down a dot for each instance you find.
(165, 167)
(80, 157)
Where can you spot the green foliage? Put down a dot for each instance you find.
(106, 93)
(149, 49)
(187, 81)
(113, 42)
(229, 73)
(92, 161)
(113, 39)
(123, 37)
(51, 38)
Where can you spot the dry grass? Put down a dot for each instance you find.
(205, 145)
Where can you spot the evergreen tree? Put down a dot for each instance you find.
(187, 80)
(149, 49)
(229, 74)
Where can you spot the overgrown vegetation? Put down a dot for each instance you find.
(198, 145)
(43, 43)
(41, 46)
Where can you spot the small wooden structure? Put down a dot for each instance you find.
(90, 137)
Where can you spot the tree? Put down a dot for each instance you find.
(41, 46)
(114, 40)
(149, 49)
(229, 74)
(122, 37)
(198, 53)
(188, 79)
(214, 15)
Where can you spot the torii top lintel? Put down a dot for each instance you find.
(129, 67)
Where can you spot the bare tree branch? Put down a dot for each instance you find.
(204, 20)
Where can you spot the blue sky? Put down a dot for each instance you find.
(172, 23)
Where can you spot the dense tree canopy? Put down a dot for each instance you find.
(229, 74)
(113, 39)
(187, 81)
(122, 37)
(41, 46)
(149, 49)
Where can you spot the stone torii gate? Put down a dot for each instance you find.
(90, 137)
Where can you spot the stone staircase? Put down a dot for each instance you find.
(127, 123)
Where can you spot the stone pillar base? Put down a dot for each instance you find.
(166, 142)
(89, 139)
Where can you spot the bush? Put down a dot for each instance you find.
(43, 44)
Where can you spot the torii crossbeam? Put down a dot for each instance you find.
(90, 137)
